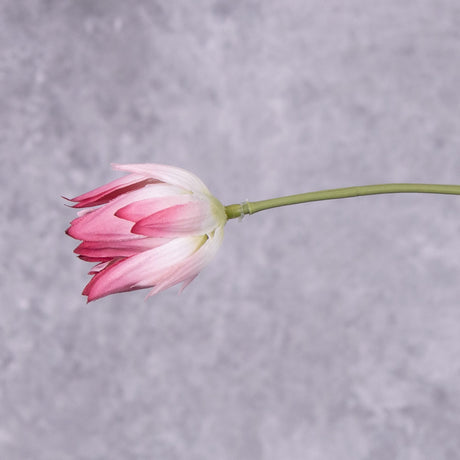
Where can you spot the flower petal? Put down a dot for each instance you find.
(169, 174)
(194, 218)
(138, 210)
(109, 191)
(99, 267)
(143, 270)
(192, 266)
(103, 224)
(95, 259)
(100, 250)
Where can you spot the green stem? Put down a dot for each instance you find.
(251, 207)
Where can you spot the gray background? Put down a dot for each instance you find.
(322, 331)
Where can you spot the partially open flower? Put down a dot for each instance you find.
(154, 228)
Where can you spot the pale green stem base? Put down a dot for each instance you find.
(250, 207)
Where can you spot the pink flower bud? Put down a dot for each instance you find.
(154, 228)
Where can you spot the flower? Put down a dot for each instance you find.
(155, 227)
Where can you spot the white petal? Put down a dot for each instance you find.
(193, 265)
(169, 174)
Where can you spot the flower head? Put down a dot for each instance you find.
(153, 228)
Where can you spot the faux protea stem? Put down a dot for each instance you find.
(160, 225)
(250, 207)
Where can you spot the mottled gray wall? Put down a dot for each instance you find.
(328, 331)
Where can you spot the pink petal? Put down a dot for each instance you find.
(95, 259)
(169, 174)
(100, 227)
(103, 224)
(99, 267)
(138, 210)
(100, 250)
(145, 269)
(109, 191)
(194, 218)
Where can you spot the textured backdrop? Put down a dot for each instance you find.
(322, 331)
